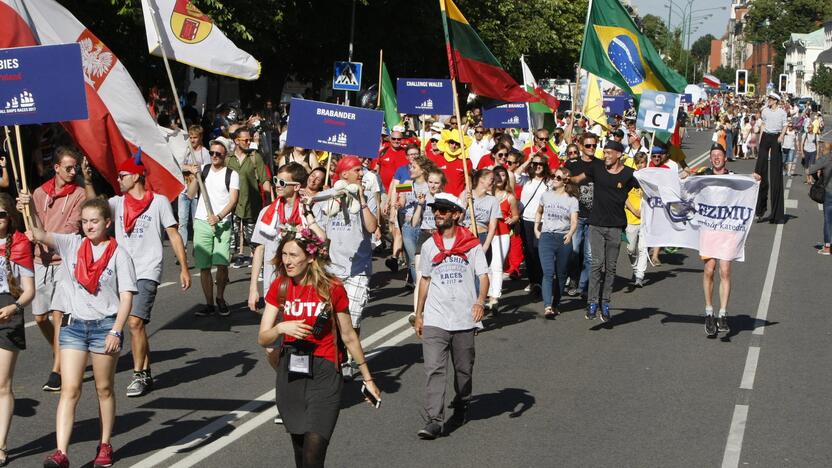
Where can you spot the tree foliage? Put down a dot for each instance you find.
(701, 49)
(654, 28)
(301, 39)
(821, 81)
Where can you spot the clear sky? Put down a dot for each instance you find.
(715, 24)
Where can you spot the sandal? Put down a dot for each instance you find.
(4, 460)
(549, 313)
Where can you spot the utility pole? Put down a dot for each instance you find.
(349, 53)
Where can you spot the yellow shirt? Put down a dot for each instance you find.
(634, 197)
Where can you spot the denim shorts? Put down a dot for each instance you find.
(87, 335)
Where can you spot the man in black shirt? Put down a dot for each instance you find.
(578, 166)
(612, 182)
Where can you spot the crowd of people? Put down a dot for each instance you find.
(457, 207)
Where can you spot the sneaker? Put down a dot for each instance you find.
(56, 460)
(138, 386)
(710, 325)
(591, 311)
(104, 457)
(278, 419)
(573, 292)
(722, 324)
(431, 431)
(605, 312)
(238, 263)
(392, 264)
(528, 288)
(53, 383)
(825, 251)
(205, 311)
(222, 306)
(639, 282)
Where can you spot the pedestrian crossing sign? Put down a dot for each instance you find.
(347, 76)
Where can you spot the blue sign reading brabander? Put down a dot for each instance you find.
(338, 129)
(42, 84)
(424, 96)
(511, 115)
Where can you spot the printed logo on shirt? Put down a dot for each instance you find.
(451, 271)
(297, 308)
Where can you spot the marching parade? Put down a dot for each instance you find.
(465, 270)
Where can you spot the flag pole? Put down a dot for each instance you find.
(26, 216)
(578, 71)
(11, 158)
(451, 72)
(528, 106)
(203, 192)
(380, 64)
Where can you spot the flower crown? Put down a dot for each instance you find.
(308, 240)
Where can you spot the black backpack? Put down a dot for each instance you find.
(228, 172)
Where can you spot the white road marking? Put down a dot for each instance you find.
(731, 457)
(790, 204)
(699, 159)
(200, 435)
(165, 284)
(750, 370)
(768, 284)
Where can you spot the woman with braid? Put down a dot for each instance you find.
(17, 289)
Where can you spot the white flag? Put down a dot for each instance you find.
(712, 214)
(190, 37)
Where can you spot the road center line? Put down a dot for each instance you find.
(731, 457)
(200, 435)
(750, 370)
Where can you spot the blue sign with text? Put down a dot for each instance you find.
(617, 105)
(42, 84)
(511, 115)
(331, 127)
(422, 96)
(657, 111)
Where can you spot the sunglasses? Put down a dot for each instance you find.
(590, 145)
(480, 133)
(244, 140)
(559, 178)
(511, 162)
(537, 164)
(442, 211)
(3, 215)
(278, 182)
(540, 138)
(217, 154)
(123, 175)
(70, 169)
(501, 155)
(395, 139)
(455, 143)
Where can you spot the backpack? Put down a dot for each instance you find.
(228, 172)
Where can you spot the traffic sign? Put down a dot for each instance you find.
(347, 76)
(741, 81)
(784, 83)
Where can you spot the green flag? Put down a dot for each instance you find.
(615, 50)
(388, 99)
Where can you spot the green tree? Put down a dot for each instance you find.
(701, 49)
(654, 28)
(727, 75)
(773, 21)
(821, 81)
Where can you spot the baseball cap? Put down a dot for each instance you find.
(447, 201)
(437, 126)
(615, 146)
(774, 95)
(659, 148)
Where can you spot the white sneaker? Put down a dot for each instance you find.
(278, 419)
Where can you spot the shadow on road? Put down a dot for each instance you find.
(198, 369)
(514, 401)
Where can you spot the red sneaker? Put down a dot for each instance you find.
(104, 457)
(56, 460)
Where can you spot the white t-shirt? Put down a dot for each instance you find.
(118, 277)
(530, 196)
(17, 271)
(218, 194)
(371, 183)
(144, 244)
(270, 243)
(479, 149)
(453, 286)
(350, 249)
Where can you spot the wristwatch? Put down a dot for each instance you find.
(18, 308)
(115, 333)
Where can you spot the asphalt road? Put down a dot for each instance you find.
(648, 389)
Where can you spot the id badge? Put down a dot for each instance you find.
(300, 364)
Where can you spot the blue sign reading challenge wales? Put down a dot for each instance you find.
(511, 115)
(337, 129)
(42, 84)
(657, 111)
(422, 96)
(617, 105)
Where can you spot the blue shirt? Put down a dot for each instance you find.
(402, 174)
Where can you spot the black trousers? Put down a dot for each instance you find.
(533, 269)
(770, 168)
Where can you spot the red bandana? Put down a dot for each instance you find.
(87, 270)
(133, 208)
(21, 252)
(49, 188)
(463, 242)
(279, 206)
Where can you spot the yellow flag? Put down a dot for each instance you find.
(594, 102)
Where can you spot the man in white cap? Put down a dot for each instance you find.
(451, 301)
(430, 147)
(770, 165)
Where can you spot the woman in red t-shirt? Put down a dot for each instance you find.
(309, 309)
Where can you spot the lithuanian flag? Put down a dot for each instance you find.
(405, 187)
(615, 50)
(470, 61)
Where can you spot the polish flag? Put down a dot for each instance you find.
(119, 122)
(711, 81)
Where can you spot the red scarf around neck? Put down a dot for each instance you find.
(49, 188)
(21, 251)
(279, 206)
(463, 242)
(133, 208)
(87, 270)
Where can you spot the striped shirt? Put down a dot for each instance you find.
(773, 120)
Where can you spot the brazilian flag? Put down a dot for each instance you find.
(615, 50)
